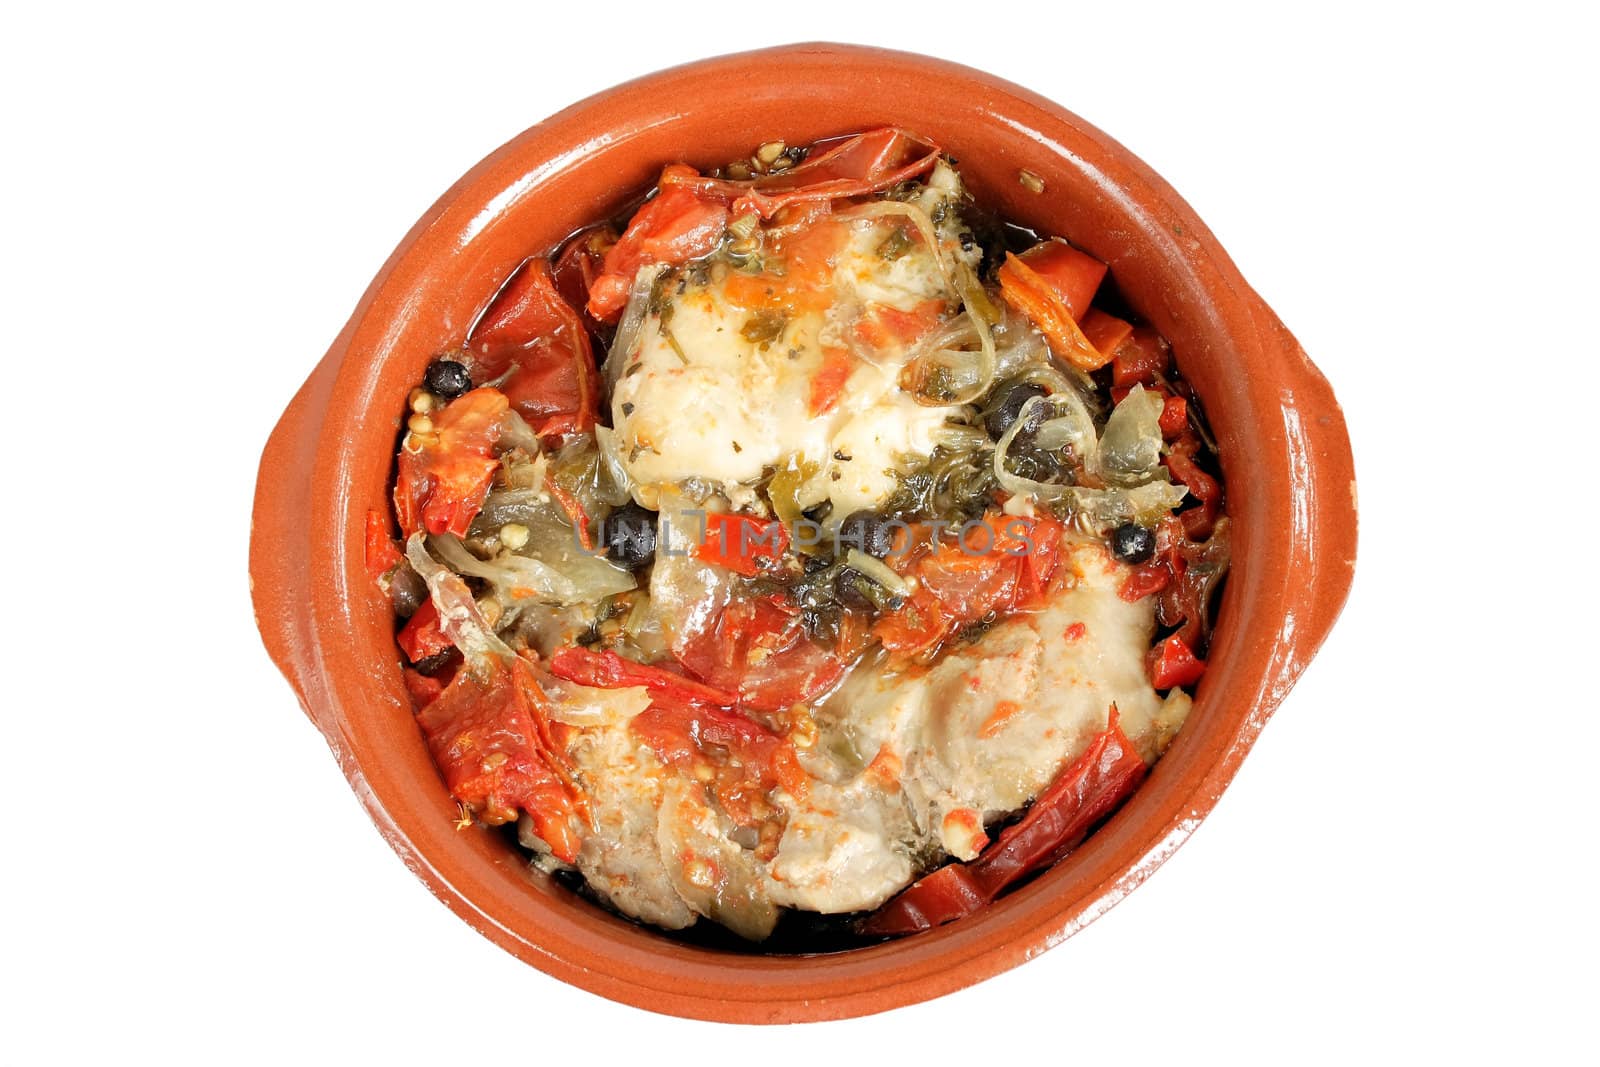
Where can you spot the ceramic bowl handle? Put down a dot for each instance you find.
(280, 537)
(1322, 530)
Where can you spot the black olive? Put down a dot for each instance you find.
(1003, 413)
(869, 531)
(447, 378)
(1133, 543)
(407, 590)
(630, 536)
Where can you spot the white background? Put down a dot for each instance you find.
(195, 199)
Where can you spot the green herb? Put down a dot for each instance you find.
(764, 326)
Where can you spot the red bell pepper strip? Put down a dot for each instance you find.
(421, 638)
(444, 476)
(1171, 663)
(677, 225)
(1081, 796)
(1174, 417)
(758, 648)
(866, 163)
(489, 732)
(607, 670)
(530, 330)
(1046, 283)
(1105, 332)
(574, 511)
(382, 554)
(1197, 522)
(1073, 275)
(742, 543)
(1196, 567)
(1140, 359)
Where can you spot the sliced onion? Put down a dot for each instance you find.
(583, 578)
(879, 209)
(1015, 483)
(586, 705)
(1098, 510)
(459, 617)
(516, 433)
(959, 437)
(686, 593)
(1017, 347)
(876, 570)
(1130, 445)
(626, 339)
(1070, 425)
(614, 469)
(513, 577)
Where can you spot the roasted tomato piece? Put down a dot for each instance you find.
(866, 163)
(607, 670)
(489, 733)
(382, 555)
(675, 226)
(532, 332)
(1000, 564)
(581, 262)
(758, 648)
(445, 475)
(421, 637)
(742, 543)
(1172, 663)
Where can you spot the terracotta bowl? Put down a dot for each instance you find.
(1284, 450)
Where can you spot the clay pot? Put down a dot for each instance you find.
(1284, 449)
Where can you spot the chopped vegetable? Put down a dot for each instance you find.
(490, 734)
(444, 478)
(607, 670)
(1052, 284)
(758, 648)
(742, 543)
(1172, 663)
(863, 164)
(676, 226)
(535, 336)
